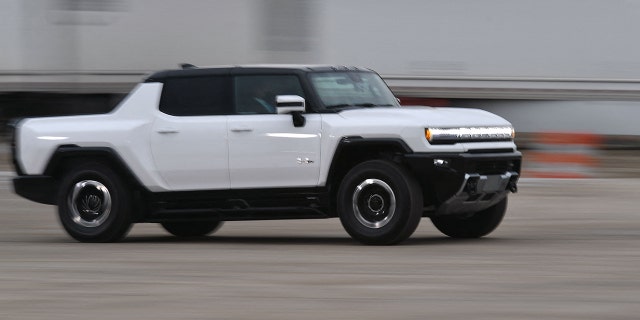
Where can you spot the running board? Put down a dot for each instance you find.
(282, 213)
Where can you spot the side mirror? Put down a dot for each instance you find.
(294, 105)
(289, 103)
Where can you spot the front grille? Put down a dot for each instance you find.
(494, 167)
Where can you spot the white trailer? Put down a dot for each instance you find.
(549, 50)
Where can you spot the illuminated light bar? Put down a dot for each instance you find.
(469, 134)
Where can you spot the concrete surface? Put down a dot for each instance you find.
(568, 249)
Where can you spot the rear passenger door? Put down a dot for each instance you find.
(189, 134)
(265, 149)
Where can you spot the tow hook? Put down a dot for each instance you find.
(513, 184)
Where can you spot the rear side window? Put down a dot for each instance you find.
(196, 96)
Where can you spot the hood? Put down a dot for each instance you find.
(428, 116)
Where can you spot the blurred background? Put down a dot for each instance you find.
(566, 73)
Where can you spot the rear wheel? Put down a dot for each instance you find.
(476, 225)
(94, 204)
(379, 203)
(191, 229)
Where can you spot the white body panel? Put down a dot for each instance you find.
(267, 151)
(169, 153)
(125, 130)
(191, 153)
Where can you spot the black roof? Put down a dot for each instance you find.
(193, 71)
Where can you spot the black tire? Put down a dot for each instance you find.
(191, 229)
(379, 203)
(94, 203)
(477, 225)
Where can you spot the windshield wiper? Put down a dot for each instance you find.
(371, 105)
(365, 105)
(340, 105)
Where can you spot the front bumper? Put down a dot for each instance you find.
(465, 182)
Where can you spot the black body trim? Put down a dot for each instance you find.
(41, 189)
(440, 183)
(65, 152)
(360, 141)
(230, 205)
(355, 143)
(352, 150)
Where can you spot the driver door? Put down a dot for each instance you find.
(265, 149)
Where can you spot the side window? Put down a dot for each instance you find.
(196, 96)
(257, 94)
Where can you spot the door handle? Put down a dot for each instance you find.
(167, 130)
(241, 129)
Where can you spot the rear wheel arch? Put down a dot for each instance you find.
(67, 156)
(95, 204)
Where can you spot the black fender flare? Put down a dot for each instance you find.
(66, 152)
(357, 146)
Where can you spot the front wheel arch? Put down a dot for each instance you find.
(353, 150)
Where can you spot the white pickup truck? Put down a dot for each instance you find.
(195, 147)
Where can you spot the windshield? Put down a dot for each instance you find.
(352, 89)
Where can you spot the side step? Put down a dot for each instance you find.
(235, 214)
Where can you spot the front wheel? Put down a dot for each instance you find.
(94, 204)
(379, 203)
(191, 229)
(476, 225)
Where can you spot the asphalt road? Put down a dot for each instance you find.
(568, 249)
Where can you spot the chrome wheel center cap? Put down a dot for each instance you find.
(91, 204)
(376, 203)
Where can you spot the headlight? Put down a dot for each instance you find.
(468, 134)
